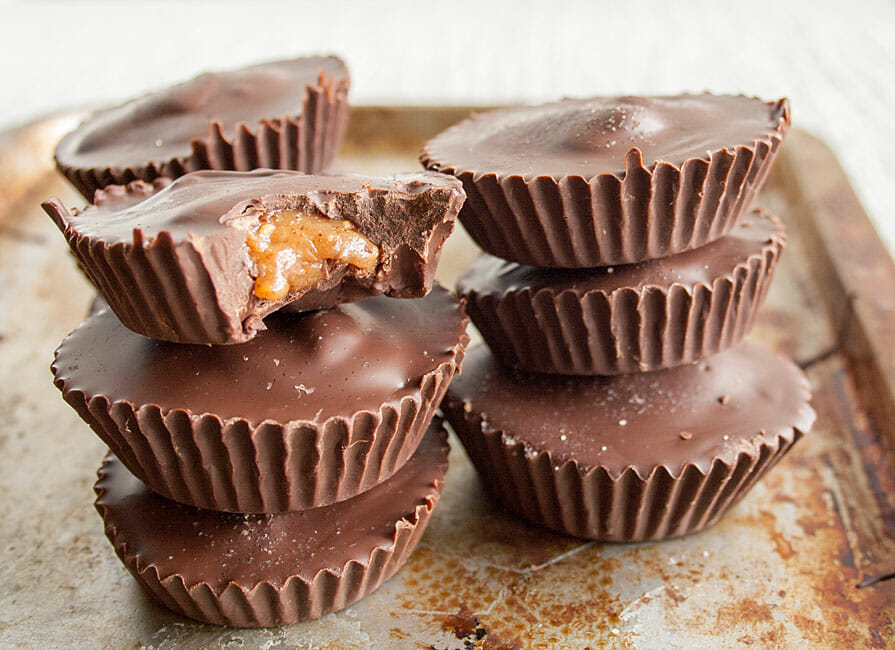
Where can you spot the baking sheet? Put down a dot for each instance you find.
(783, 569)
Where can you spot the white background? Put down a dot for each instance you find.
(834, 59)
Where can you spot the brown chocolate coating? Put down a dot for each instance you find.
(173, 264)
(609, 181)
(200, 124)
(349, 359)
(630, 318)
(586, 137)
(634, 457)
(490, 275)
(191, 558)
(315, 409)
(724, 402)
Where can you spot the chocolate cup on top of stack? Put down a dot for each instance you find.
(316, 409)
(204, 259)
(266, 570)
(281, 115)
(632, 318)
(608, 181)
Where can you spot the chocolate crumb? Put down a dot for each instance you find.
(724, 399)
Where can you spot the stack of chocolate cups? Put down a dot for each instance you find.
(265, 468)
(614, 400)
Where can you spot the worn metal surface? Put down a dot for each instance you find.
(782, 570)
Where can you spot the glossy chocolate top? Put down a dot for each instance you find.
(304, 367)
(205, 202)
(160, 126)
(587, 137)
(691, 414)
(752, 236)
(218, 548)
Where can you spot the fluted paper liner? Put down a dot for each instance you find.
(305, 141)
(165, 289)
(232, 465)
(616, 504)
(592, 503)
(629, 329)
(645, 213)
(268, 602)
(200, 290)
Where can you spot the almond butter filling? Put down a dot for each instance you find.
(290, 250)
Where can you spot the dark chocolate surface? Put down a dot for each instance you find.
(304, 367)
(220, 548)
(587, 137)
(160, 126)
(173, 263)
(490, 275)
(686, 415)
(205, 202)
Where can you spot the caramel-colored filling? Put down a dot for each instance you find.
(290, 250)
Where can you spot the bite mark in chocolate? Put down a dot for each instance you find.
(290, 251)
(173, 262)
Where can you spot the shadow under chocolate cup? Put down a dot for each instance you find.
(269, 570)
(631, 318)
(317, 409)
(205, 258)
(289, 114)
(629, 458)
(613, 180)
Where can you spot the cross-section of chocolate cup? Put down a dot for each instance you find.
(317, 409)
(632, 318)
(267, 570)
(204, 259)
(280, 115)
(605, 181)
(629, 457)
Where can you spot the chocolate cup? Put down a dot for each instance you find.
(319, 408)
(647, 209)
(305, 138)
(184, 273)
(305, 564)
(562, 484)
(634, 318)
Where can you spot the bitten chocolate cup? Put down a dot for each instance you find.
(317, 409)
(607, 181)
(268, 570)
(204, 259)
(280, 115)
(632, 318)
(633, 457)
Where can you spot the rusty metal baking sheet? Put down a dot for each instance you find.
(801, 562)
